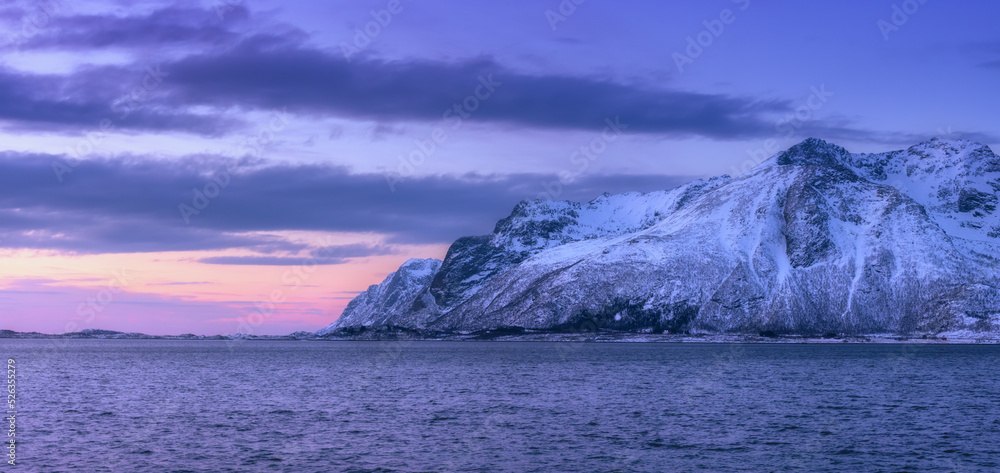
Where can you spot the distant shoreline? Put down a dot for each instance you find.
(486, 336)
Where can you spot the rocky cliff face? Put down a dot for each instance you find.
(814, 240)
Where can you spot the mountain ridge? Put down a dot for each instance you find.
(813, 240)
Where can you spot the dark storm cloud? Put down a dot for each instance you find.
(261, 75)
(91, 98)
(124, 95)
(264, 75)
(249, 65)
(133, 204)
(277, 70)
(69, 230)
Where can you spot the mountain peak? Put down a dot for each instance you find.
(953, 147)
(418, 267)
(937, 141)
(813, 152)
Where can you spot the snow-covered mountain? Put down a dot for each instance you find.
(382, 303)
(814, 240)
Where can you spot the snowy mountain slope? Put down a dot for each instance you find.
(813, 240)
(539, 225)
(958, 182)
(381, 303)
(416, 300)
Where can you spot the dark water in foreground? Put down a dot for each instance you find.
(153, 405)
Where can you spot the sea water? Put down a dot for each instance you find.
(312, 406)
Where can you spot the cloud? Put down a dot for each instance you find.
(352, 251)
(121, 98)
(263, 74)
(172, 25)
(132, 204)
(267, 72)
(121, 93)
(989, 49)
(271, 260)
(248, 65)
(327, 255)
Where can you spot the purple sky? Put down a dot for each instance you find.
(210, 149)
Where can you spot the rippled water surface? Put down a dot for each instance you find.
(154, 405)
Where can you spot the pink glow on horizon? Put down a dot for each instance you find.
(172, 293)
